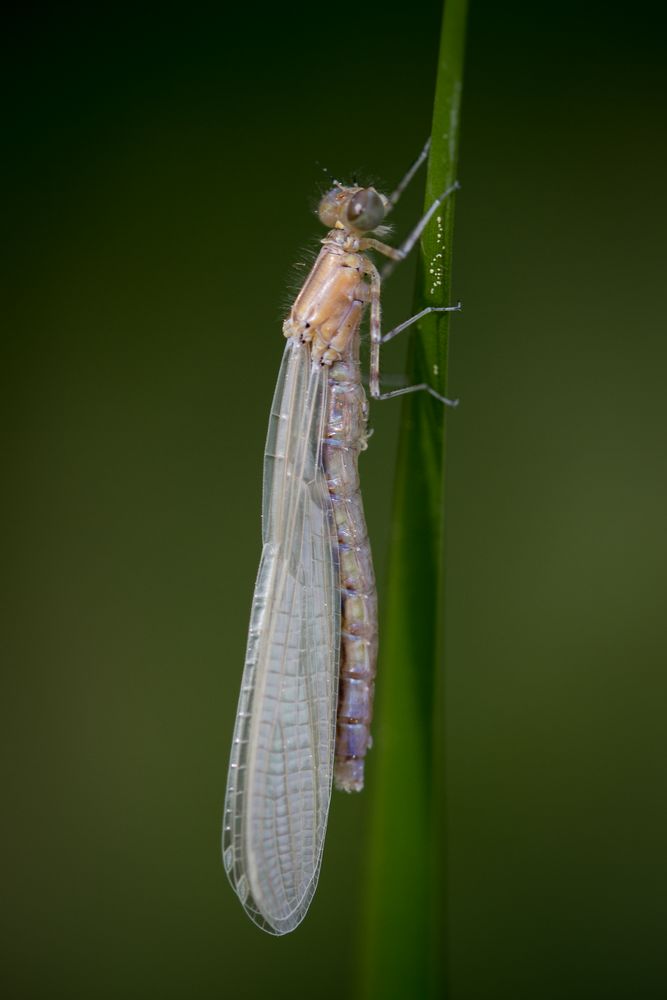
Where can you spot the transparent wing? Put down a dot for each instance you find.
(280, 773)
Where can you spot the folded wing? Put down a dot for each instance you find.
(280, 774)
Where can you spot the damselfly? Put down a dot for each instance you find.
(307, 691)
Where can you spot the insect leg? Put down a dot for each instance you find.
(395, 195)
(414, 319)
(397, 254)
(376, 327)
(421, 386)
(407, 244)
(377, 339)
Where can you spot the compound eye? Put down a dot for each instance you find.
(366, 209)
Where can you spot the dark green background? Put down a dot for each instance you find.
(159, 177)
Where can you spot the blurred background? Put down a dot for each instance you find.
(160, 177)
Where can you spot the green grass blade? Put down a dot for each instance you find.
(405, 940)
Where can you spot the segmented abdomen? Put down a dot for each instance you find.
(345, 437)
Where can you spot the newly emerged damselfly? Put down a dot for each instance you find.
(306, 699)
